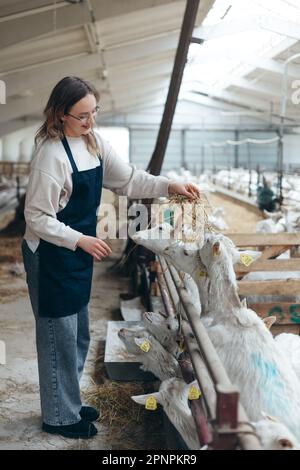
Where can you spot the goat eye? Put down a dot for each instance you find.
(160, 229)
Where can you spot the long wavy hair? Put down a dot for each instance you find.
(64, 95)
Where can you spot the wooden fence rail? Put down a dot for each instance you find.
(272, 245)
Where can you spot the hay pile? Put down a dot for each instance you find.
(11, 250)
(126, 424)
(11, 286)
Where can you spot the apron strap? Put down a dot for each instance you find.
(69, 153)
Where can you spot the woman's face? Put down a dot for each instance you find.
(81, 117)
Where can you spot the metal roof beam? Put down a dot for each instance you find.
(16, 125)
(27, 27)
(232, 97)
(134, 104)
(123, 85)
(144, 48)
(140, 93)
(246, 103)
(256, 86)
(28, 105)
(50, 73)
(264, 63)
(120, 76)
(218, 105)
(286, 28)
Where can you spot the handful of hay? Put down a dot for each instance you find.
(192, 213)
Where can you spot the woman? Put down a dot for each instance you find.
(70, 166)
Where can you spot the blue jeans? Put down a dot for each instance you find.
(62, 346)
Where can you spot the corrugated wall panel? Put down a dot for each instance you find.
(199, 156)
(264, 155)
(143, 143)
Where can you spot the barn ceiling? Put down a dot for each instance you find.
(127, 49)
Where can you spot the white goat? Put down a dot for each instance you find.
(216, 219)
(289, 344)
(173, 396)
(160, 239)
(270, 226)
(186, 258)
(150, 353)
(274, 435)
(286, 221)
(252, 358)
(164, 328)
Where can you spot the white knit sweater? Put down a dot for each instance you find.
(50, 187)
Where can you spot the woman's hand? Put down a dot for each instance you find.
(95, 247)
(190, 190)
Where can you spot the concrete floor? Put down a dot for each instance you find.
(19, 398)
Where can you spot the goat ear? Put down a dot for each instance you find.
(244, 303)
(285, 443)
(268, 321)
(216, 249)
(163, 314)
(141, 399)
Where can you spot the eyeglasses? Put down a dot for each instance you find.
(85, 119)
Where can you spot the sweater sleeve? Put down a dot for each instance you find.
(125, 180)
(41, 206)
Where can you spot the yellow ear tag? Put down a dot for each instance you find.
(145, 346)
(194, 393)
(151, 404)
(246, 260)
(181, 345)
(202, 273)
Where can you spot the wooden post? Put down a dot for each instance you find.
(226, 418)
(186, 34)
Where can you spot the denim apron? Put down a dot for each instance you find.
(65, 276)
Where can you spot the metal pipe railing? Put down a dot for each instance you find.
(205, 349)
(197, 409)
(203, 377)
